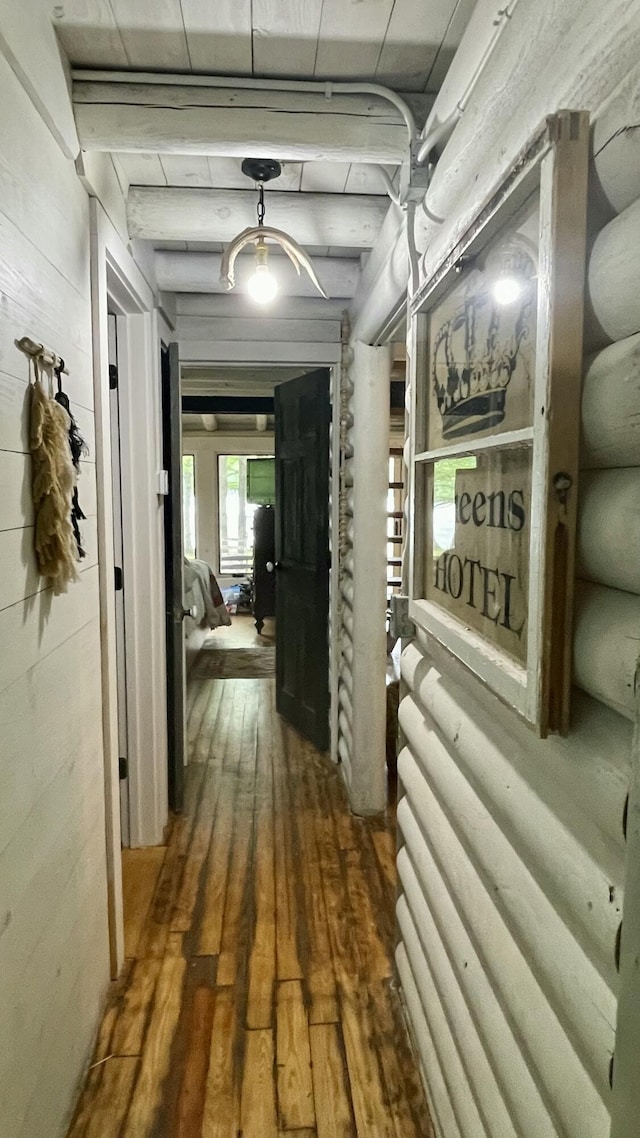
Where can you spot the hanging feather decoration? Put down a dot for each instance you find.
(78, 448)
(53, 480)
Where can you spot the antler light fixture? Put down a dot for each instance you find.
(263, 286)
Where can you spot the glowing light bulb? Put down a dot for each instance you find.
(506, 289)
(262, 286)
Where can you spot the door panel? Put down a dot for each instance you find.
(302, 416)
(172, 459)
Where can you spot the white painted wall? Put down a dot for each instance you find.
(57, 885)
(54, 946)
(512, 857)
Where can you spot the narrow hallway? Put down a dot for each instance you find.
(257, 997)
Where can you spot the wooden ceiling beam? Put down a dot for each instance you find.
(171, 213)
(129, 113)
(236, 304)
(200, 272)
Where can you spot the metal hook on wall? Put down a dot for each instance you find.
(43, 355)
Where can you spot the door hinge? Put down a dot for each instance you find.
(113, 377)
(117, 579)
(123, 768)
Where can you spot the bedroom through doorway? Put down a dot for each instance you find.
(228, 506)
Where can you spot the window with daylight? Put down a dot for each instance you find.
(242, 488)
(189, 505)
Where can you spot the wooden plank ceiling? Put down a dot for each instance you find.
(403, 44)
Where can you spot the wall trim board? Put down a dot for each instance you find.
(117, 280)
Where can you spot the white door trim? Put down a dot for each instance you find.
(117, 281)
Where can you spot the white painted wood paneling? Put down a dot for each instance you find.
(462, 13)
(144, 169)
(411, 44)
(153, 33)
(87, 30)
(285, 31)
(186, 169)
(324, 178)
(350, 37)
(54, 950)
(219, 36)
(288, 38)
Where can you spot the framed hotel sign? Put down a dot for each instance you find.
(496, 350)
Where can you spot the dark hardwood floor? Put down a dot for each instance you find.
(257, 999)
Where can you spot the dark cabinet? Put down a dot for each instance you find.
(264, 556)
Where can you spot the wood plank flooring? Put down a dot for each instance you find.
(258, 999)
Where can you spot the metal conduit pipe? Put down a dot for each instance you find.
(433, 135)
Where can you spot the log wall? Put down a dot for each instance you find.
(362, 574)
(512, 853)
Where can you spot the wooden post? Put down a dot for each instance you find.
(371, 370)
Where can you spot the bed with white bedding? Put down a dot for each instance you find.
(201, 595)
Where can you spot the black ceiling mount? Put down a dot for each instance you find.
(261, 169)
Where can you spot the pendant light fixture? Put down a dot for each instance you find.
(262, 285)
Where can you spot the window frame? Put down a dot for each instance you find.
(246, 455)
(554, 165)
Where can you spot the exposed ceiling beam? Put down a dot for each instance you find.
(165, 213)
(233, 380)
(237, 304)
(226, 405)
(124, 112)
(200, 272)
(209, 422)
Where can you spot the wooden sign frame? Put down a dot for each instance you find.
(553, 167)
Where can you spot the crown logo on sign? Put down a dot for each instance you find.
(476, 350)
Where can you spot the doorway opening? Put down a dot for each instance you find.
(255, 504)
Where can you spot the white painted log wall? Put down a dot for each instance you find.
(362, 575)
(54, 945)
(342, 624)
(512, 856)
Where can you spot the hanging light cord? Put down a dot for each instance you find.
(260, 203)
